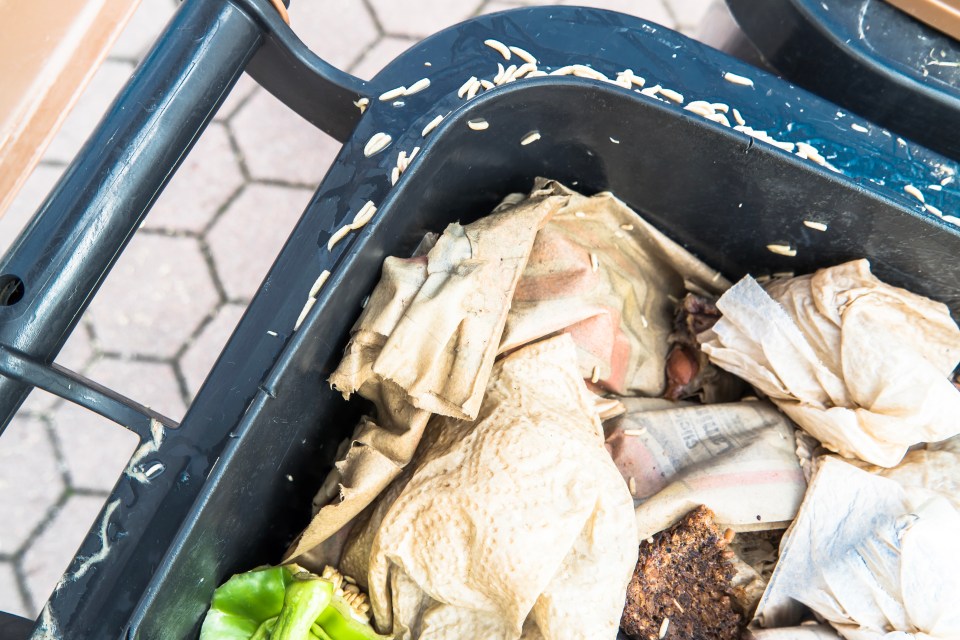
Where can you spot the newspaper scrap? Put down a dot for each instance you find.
(602, 274)
(859, 364)
(424, 344)
(737, 458)
(874, 559)
(804, 632)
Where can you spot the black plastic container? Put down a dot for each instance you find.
(240, 471)
(866, 56)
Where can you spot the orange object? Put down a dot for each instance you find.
(49, 51)
(942, 15)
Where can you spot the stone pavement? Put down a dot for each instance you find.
(169, 305)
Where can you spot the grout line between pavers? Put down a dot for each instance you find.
(58, 454)
(374, 17)
(220, 210)
(207, 255)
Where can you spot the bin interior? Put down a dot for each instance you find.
(723, 197)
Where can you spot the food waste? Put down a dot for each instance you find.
(577, 429)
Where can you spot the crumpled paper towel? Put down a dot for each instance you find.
(859, 364)
(515, 525)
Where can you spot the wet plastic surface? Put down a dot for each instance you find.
(238, 475)
(866, 56)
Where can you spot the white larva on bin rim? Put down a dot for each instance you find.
(722, 107)
(387, 96)
(474, 88)
(417, 86)
(337, 237)
(363, 216)
(499, 47)
(912, 190)
(952, 219)
(614, 140)
(643, 321)
(486, 84)
(932, 209)
(524, 55)
(634, 432)
(530, 138)
(670, 94)
(478, 124)
(737, 79)
(318, 283)
(738, 117)
(651, 91)
(627, 227)
(816, 226)
(394, 176)
(859, 127)
(507, 75)
(595, 374)
(303, 312)
(632, 486)
(272, 333)
(462, 91)
(362, 104)
(594, 262)
(497, 79)
(377, 143)
(431, 126)
(782, 249)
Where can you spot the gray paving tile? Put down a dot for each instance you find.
(201, 186)
(377, 56)
(246, 239)
(336, 30)
(96, 450)
(688, 13)
(277, 144)
(30, 480)
(653, 10)
(198, 359)
(50, 554)
(420, 18)
(146, 23)
(11, 600)
(103, 88)
(158, 293)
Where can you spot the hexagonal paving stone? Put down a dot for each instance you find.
(143, 28)
(277, 144)
(11, 600)
(336, 30)
(421, 18)
(103, 88)
(51, 552)
(30, 481)
(248, 236)
(95, 450)
(18, 214)
(209, 175)
(155, 297)
(652, 10)
(198, 359)
(688, 13)
(497, 5)
(377, 56)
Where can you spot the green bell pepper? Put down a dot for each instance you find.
(282, 603)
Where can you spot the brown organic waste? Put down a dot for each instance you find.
(483, 497)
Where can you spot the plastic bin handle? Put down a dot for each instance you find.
(54, 268)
